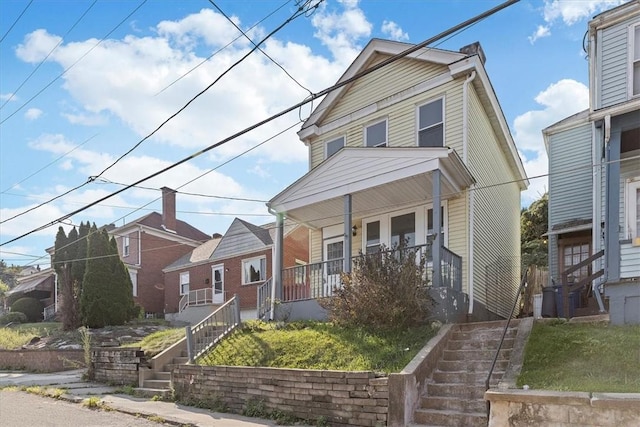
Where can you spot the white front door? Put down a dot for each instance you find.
(333, 266)
(217, 273)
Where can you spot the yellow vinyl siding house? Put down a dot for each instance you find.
(424, 131)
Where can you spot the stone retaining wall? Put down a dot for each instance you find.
(40, 360)
(116, 365)
(341, 398)
(517, 408)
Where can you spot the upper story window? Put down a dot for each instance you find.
(133, 274)
(125, 246)
(431, 124)
(375, 135)
(333, 146)
(634, 60)
(254, 270)
(184, 283)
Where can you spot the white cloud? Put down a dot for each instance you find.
(541, 31)
(85, 119)
(33, 114)
(37, 45)
(393, 31)
(8, 97)
(572, 11)
(558, 101)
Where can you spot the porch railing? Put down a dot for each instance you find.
(207, 333)
(49, 312)
(570, 286)
(264, 298)
(200, 297)
(318, 280)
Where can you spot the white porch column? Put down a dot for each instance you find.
(347, 234)
(437, 229)
(278, 253)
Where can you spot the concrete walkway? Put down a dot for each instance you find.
(77, 390)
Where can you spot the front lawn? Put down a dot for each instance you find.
(318, 345)
(156, 342)
(591, 357)
(16, 336)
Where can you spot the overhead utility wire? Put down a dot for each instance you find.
(72, 65)
(48, 54)
(220, 50)
(16, 21)
(277, 115)
(295, 15)
(258, 47)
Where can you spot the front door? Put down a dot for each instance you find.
(218, 283)
(333, 266)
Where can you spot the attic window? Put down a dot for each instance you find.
(333, 146)
(431, 124)
(375, 135)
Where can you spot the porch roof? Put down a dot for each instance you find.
(378, 179)
(28, 285)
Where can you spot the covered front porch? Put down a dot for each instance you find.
(364, 201)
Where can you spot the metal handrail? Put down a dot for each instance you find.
(504, 333)
(203, 336)
(264, 298)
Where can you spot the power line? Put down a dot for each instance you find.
(295, 15)
(72, 65)
(16, 21)
(49, 164)
(279, 114)
(221, 49)
(48, 54)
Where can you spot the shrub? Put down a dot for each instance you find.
(13, 317)
(386, 290)
(31, 307)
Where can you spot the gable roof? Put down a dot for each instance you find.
(242, 237)
(154, 220)
(199, 255)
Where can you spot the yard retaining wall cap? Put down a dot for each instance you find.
(616, 400)
(539, 396)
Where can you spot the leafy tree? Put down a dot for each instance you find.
(106, 290)
(8, 275)
(533, 224)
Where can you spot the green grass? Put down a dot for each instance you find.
(582, 357)
(154, 343)
(318, 345)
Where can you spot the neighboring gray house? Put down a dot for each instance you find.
(594, 166)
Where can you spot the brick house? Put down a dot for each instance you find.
(236, 263)
(150, 243)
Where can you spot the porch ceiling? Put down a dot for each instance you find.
(378, 179)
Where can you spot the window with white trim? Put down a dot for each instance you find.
(431, 124)
(254, 270)
(125, 246)
(333, 146)
(184, 283)
(632, 209)
(375, 135)
(634, 60)
(133, 274)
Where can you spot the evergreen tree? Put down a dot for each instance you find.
(62, 261)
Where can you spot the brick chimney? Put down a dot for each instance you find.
(169, 208)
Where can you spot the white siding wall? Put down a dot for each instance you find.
(497, 215)
(614, 57)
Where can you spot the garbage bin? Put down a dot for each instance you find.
(548, 302)
(574, 298)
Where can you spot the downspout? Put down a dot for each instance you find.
(596, 159)
(465, 145)
(607, 155)
(139, 246)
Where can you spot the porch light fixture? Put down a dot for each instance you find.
(354, 230)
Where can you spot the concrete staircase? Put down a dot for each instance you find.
(155, 380)
(455, 390)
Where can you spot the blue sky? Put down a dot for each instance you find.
(75, 98)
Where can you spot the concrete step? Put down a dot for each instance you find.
(465, 377)
(490, 344)
(482, 335)
(494, 324)
(459, 391)
(475, 355)
(157, 384)
(159, 375)
(180, 360)
(452, 404)
(450, 418)
(471, 366)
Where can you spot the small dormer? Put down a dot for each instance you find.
(614, 56)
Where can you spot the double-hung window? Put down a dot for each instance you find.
(632, 210)
(333, 146)
(431, 124)
(254, 270)
(125, 246)
(184, 283)
(375, 135)
(634, 60)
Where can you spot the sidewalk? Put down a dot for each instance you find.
(77, 390)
